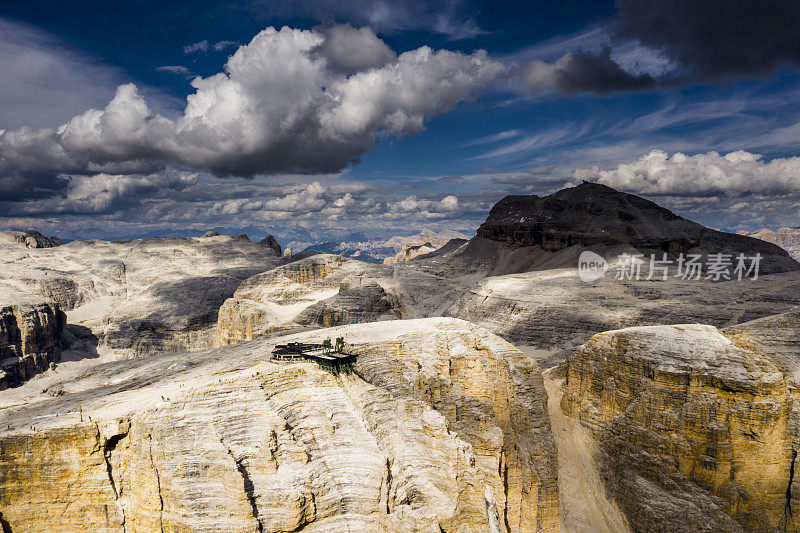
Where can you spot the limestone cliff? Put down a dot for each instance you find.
(697, 428)
(31, 338)
(441, 426)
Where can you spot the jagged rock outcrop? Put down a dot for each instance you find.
(34, 239)
(270, 242)
(697, 428)
(137, 296)
(367, 302)
(211, 234)
(441, 427)
(31, 338)
(317, 290)
(409, 252)
(591, 214)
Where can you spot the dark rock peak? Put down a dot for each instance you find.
(270, 242)
(211, 234)
(591, 200)
(591, 214)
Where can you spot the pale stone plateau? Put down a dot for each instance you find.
(441, 426)
(135, 296)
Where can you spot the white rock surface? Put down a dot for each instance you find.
(136, 296)
(442, 427)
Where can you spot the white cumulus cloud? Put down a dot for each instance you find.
(106, 193)
(278, 107)
(658, 173)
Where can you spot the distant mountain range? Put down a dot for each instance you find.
(786, 238)
(377, 250)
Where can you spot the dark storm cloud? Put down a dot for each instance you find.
(691, 41)
(715, 38)
(587, 71)
(584, 71)
(31, 186)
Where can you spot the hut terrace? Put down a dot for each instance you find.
(325, 356)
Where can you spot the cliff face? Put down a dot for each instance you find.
(697, 428)
(31, 338)
(592, 214)
(492, 397)
(442, 427)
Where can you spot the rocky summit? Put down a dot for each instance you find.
(591, 214)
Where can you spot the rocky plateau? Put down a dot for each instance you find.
(135, 296)
(440, 426)
(137, 391)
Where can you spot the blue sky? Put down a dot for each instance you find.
(343, 122)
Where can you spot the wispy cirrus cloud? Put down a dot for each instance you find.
(493, 138)
(452, 18)
(174, 69)
(206, 46)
